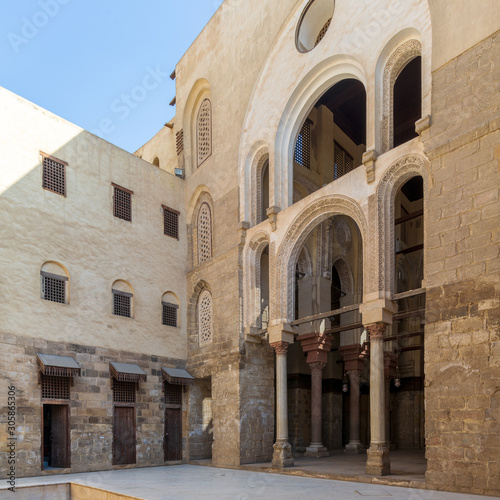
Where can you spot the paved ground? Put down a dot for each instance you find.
(191, 482)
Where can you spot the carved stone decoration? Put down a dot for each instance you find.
(281, 348)
(317, 368)
(376, 331)
(343, 235)
(396, 175)
(293, 241)
(369, 160)
(398, 60)
(272, 213)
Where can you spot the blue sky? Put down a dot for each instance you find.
(102, 64)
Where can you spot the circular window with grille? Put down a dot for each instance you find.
(314, 23)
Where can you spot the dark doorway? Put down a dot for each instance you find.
(124, 439)
(55, 436)
(172, 443)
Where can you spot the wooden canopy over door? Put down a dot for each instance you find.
(124, 440)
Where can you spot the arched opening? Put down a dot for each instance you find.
(156, 161)
(407, 412)
(332, 139)
(264, 288)
(123, 299)
(314, 24)
(170, 310)
(54, 282)
(407, 104)
(264, 191)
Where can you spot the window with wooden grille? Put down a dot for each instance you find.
(53, 287)
(170, 222)
(122, 304)
(169, 314)
(344, 162)
(54, 175)
(55, 387)
(205, 317)
(173, 394)
(323, 31)
(204, 131)
(123, 392)
(179, 142)
(303, 146)
(122, 203)
(204, 233)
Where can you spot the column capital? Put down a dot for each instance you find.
(376, 331)
(317, 367)
(351, 354)
(281, 348)
(316, 345)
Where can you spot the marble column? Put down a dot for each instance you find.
(282, 455)
(316, 448)
(377, 462)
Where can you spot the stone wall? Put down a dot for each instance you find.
(462, 344)
(91, 405)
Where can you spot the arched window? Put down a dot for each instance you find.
(205, 318)
(170, 310)
(123, 295)
(204, 233)
(54, 283)
(204, 131)
(156, 161)
(265, 192)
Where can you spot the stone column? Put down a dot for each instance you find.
(317, 346)
(282, 455)
(377, 462)
(316, 448)
(354, 365)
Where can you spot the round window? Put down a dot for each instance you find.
(314, 23)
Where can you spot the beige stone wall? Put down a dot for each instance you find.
(462, 357)
(163, 147)
(80, 232)
(91, 406)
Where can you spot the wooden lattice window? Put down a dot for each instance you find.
(122, 203)
(54, 175)
(55, 387)
(122, 303)
(53, 287)
(170, 222)
(205, 317)
(173, 394)
(204, 131)
(323, 31)
(204, 233)
(179, 142)
(123, 392)
(169, 314)
(344, 162)
(303, 146)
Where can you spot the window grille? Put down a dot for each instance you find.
(169, 314)
(204, 233)
(303, 146)
(123, 392)
(323, 31)
(54, 176)
(54, 288)
(55, 387)
(179, 142)
(170, 222)
(173, 394)
(122, 304)
(122, 204)
(205, 317)
(344, 162)
(204, 131)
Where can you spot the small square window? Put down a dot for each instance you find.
(55, 387)
(54, 288)
(170, 222)
(123, 392)
(122, 304)
(54, 175)
(169, 315)
(122, 203)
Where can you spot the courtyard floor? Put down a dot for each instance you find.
(192, 482)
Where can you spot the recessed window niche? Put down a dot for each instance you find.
(314, 23)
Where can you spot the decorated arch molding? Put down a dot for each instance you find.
(294, 239)
(397, 174)
(252, 272)
(405, 53)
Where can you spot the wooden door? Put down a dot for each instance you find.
(173, 438)
(124, 441)
(59, 436)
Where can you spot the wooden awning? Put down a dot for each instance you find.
(177, 376)
(126, 372)
(58, 366)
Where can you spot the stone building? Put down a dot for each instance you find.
(306, 256)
